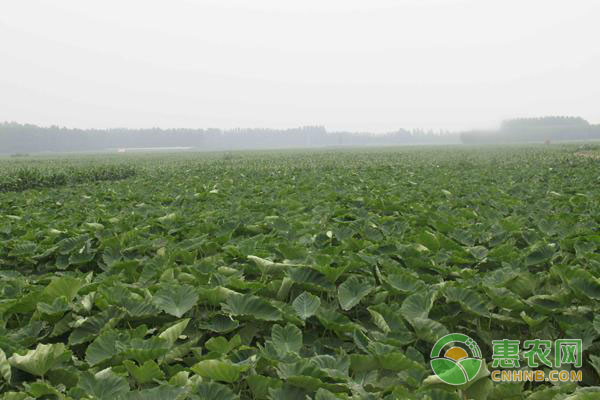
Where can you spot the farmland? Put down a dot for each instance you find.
(293, 275)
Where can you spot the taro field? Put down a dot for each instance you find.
(291, 275)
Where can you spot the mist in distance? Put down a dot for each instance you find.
(313, 73)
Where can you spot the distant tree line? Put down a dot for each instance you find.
(25, 138)
(535, 130)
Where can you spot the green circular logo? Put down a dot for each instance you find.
(460, 362)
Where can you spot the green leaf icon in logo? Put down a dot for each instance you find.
(455, 367)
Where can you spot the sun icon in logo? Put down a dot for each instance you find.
(455, 366)
(456, 353)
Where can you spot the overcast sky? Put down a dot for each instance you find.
(372, 65)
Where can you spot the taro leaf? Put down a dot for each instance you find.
(323, 394)
(72, 244)
(352, 291)
(302, 366)
(162, 392)
(533, 322)
(306, 305)
(215, 296)
(287, 392)
(42, 359)
(260, 385)
(181, 378)
(479, 252)
(504, 298)
(335, 321)
(104, 385)
(111, 255)
(252, 306)
(361, 340)
(581, 282)
(219, 324)
(417, 305)
(212, 391)
(596, 323)
(57, 308)
(5, 371)
(468, 299)
(286, 339)
(544, 303)
(481, 389)
(63, 286)
(179, 351)
(404, 283)
(313, 384)
(172, 333)
(292, 252)
(101, 349)
(268, 266)
(539, 253)
(176, 300)
(221, 345)
(429, 240)
(310, 276)
(68, 376)
(145, 373)
(595, 363)
(40, 389)
(105, 346)
(335, 367)
(428, 329)
(219, 370)
(379, 321)
(91, 327)
(145, 350)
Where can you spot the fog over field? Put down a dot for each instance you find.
(352, 66)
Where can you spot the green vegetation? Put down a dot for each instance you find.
(16, 179)
(294, 275)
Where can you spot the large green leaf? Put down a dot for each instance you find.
(221, 345)
(539, 253)
(212, 391)
(582, 282)
(145, 373)
(5, 371)
(41, 360)
(286, 339)
(92, 326)
(219, 370)
(63, 286)
(104, 385)
(172, 333)
(162, 392)
(352, 291)
(251, 306)
(144, 350)
(104, 347)
(468, 299)
(306, 305)
(176, 300)
(417, 305)
(311, 277)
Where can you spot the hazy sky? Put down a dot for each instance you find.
(355, 65)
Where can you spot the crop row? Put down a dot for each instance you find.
(27, 177)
